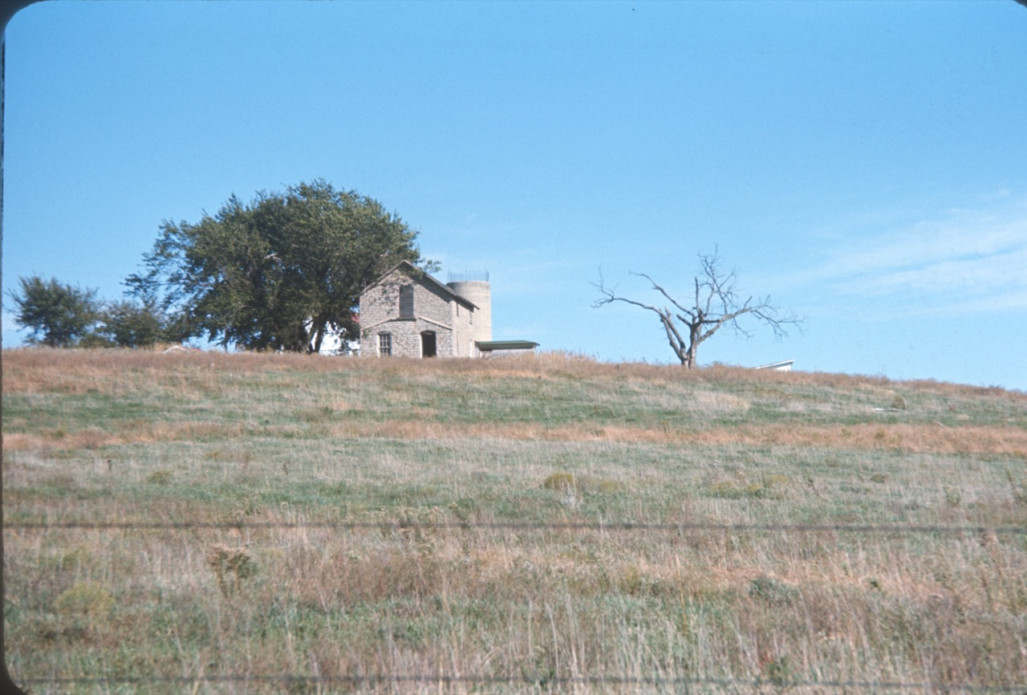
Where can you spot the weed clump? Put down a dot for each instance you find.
(771, 590)
(230, 566)
(75, 557)
(159, 477)
(768, 486)
(559, 481)
(779, 671)
(609, 486)
(1018, 488)
(85, 599)
(464, 508)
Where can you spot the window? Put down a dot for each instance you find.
(385, 344)
(406, 302)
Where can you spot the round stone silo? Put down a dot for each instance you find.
(479, 293)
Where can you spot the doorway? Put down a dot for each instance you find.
(428, 345)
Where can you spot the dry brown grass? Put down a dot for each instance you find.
(266, 447)
(918, 439)
(194, 375)
(41, 370)
(443, 601)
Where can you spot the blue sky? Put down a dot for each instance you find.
(865, 164)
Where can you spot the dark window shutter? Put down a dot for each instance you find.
(406, 302)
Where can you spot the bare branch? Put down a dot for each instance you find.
(610, 296)
(664, 292)
(715, 305)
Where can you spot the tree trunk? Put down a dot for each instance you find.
(694, 338)
(692, 350)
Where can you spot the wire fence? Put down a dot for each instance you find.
(289, 683)
(682, 527)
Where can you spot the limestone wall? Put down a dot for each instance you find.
(380, 313)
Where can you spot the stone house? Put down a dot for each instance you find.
(408, 313)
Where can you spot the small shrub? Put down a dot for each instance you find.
(723, 488)
(608, 486)
(463, 508)
(230, 566)
(159, 477)
(417, 517)
(726, 489)
(77, 556)
(418, 525)
(559, 481)
(771, 590)
(779, 671)
(319, 415)
(1018, 487)
(952, 497)
(88, 599)
(635, 582)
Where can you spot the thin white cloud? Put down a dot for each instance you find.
(965, 260)
(968, 237)
(983, 273)
(1007, 303)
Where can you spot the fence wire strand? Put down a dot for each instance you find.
(884, 529)
(373, 680)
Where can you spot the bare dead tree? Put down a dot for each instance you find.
(716, 304)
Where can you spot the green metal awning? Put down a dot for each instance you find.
(491, 345)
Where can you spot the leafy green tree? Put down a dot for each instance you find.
(132, 324)
(278, 274)
(58, 315)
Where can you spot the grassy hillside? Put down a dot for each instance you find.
(268, 523)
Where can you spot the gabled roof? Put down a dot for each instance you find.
(410, 269)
